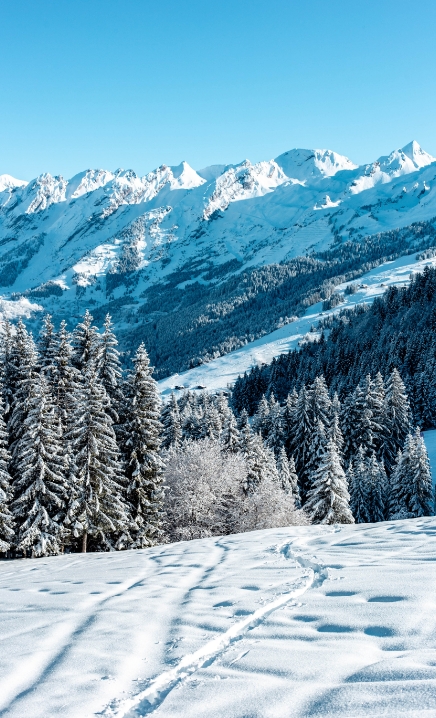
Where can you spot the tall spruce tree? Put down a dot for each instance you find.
(7, 529)
(412, 490)
(359, 489)
(144, 470)
(171, 423)
(47, 346)
(97, 508)
(40, 476)
(230, 437)
(109, 366)
(376, 488)
(86, 345)
(328, 500)
(397, 416)
(303, 439)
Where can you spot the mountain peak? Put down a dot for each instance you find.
(9, 182)
(306, 165)
(419, 157)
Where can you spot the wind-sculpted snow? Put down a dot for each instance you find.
(308, 621)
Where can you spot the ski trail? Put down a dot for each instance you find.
(153, 696)
(35, 668)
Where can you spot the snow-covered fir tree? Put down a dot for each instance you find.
(65, 377)
(260, 419)
(86, 344)
(397, 417)
(109, 366)
(328, 500)
(7, 528)
(288, 476)
(357, 478)
(47, 346)
(40, 488)
(97, 508)
(288, 422)
(302, 439)
(144, 469)
(171, 423)
(230, 437)
(376, 488)
(412, 491)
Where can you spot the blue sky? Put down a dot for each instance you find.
(135, 84)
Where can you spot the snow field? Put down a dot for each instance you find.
(305, 621)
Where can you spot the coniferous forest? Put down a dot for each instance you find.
(90, 460)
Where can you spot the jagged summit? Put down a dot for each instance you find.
(108, 236)
(306, 165)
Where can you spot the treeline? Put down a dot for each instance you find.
(396, 330)
(81, 462)
(90, 460)
(360, 460)
(186, 323)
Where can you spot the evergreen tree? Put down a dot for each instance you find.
(375, 482)
(396, 503)
(317, 448)
(257, 461)
(359, 489)
(230, 438)
(47, 348)
(260, 419)
(65, 377)
(245, 433)
(288, 476)
(171, 423)
(412, 490)
(97, 508)
(275, 428)
(109, 365)
(7, 529)
(86, 345)
(397, 416)
(40, 483)
(302, 440)
(328, 499)
(22, 375)
(421, 495)
(144, 471)
(288, 419)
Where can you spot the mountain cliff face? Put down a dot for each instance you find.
(104, 238)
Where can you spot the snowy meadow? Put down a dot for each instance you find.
(303, 621)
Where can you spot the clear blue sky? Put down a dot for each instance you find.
(135, 83)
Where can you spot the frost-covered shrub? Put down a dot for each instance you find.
(203, 486)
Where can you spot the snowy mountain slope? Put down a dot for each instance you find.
(51, 230)
(219, 374)
(9, 183)
(311, 622)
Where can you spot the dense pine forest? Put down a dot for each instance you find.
(91, 461)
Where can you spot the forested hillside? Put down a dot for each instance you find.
(395, 331)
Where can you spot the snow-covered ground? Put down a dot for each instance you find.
(220, 373)
(313, 621)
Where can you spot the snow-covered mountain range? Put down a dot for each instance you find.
(104, 237)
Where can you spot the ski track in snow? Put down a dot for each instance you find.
(336, 621)
(153, 696)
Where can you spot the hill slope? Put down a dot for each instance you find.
(317, 621)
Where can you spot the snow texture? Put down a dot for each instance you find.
(309, 622)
